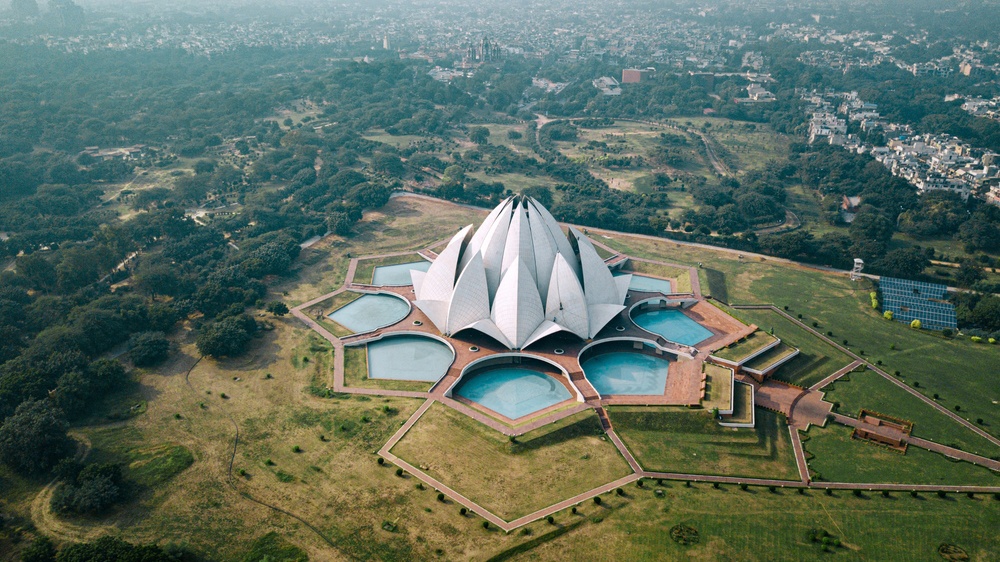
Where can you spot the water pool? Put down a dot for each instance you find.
(513, 392)
(648, 284)
(673, 325)
(627, 373)
(399, 274)
(409, 358)
(370, 312)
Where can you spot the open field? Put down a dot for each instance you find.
(816, 359)
(757, 525)
(843, 307)
(871, 391)
(698, 445)
(838, 458)
(544, 466)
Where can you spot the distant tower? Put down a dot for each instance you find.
(385, 42)
(859, 264)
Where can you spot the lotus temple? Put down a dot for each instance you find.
(520, 322)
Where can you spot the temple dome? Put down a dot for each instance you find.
(518, 278)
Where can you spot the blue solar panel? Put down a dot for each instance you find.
(916, 300)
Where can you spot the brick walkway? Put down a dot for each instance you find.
(832, 378)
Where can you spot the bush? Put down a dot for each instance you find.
(381, 461)
(551, 520)
(947, 332)
(976, 339)
(399, 472)
(440, 497)
(887, 315)
(148, 348)
(597, 500)
(463, 511)
(915, 324)
(486, 524)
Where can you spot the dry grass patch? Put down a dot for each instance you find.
(542, 467)
(680, 276)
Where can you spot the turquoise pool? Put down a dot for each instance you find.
(627, 373)
(513, 392)
(370, 312)
(409, 358)
(648, 284)
(399, 274)
(673, 325)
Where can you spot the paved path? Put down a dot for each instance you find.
(918, 442)
(800, 454)
(624, 451)
(887, 376)
(826, 382)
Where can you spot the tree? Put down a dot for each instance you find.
(388, 164)
(112, 549)
(340, 223)
(903, 262)
(968, 273)
(225, 338)
(34, 439)
(42, 549)
(277, 308)
(148, 348)
(479, 135)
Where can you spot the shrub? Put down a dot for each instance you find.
(486, 524)
(772, 489)
(829, 334)
(800, 317)
(399, 472)
(381, 461)
(573, 511)
(914, 494)
(845, 342)
(296, 449)
(976, 339)
(828, 491)
(440, 497)
(942, 494)
(958, 408)
(936, 397)
(744, 487)
(597, 500)
(887, 315)
(916, 324)
(857, 493)
(551, 520)
(463, 511)
(947, 332)
(619, 491)
(979, 421)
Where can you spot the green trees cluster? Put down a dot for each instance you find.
(87, 489)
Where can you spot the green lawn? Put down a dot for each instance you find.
(544, 466)
(356, 373)
(835, 457)
(765, 361)
(757, 525)
(870, 390)
(719, 387)
(690, 441)
(816, 359)
(144, 463)
(745, 347)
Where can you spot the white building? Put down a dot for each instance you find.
(518, 279)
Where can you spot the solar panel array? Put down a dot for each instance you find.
(916, 300)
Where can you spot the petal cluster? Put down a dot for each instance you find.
(518, 279)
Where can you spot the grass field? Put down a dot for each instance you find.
(544, 466)
(760, 526)
(838, 458)
(690, 441)
(816, 359)
(870, 390)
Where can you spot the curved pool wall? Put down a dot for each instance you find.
(510, 359)
(397, 275)
(370, 312)
(646, 284)
(513, 392)
(669, 323)
(627, 373)
(409, 357)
